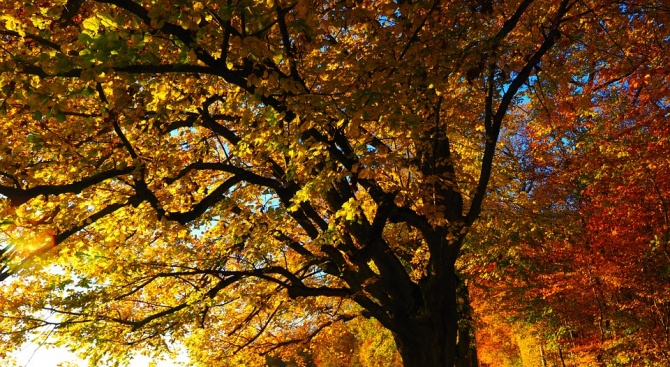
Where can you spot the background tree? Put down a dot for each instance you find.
(241, 175)
(583, 266)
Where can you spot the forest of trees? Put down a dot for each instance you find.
(355, 183)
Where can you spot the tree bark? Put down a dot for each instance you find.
(439, 334)
(467, 352)
(427, 345)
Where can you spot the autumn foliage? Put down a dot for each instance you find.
(585, 272)
(337, 183)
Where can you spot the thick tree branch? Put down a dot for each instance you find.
(493, 130)
(38, 39)
(18, 196)
(131, 69)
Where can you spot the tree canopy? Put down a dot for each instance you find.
(243, 177)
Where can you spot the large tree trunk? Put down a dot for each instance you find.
(439, 334)
(430, 349)
(427, 345)
(467, 351)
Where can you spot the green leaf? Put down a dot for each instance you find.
(88, 91)
(59, 116)
(91, 24)
(107, 20)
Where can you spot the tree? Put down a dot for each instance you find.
(240, 175)
(573, 249)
